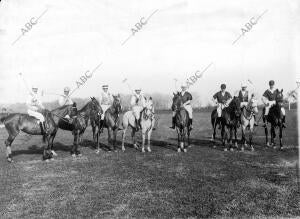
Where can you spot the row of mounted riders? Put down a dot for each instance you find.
(231, 118)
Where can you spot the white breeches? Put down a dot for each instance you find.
(104, 108)
(37, 115)
(137, 111)
(189, 109)
(244, 104)
(272, 103)
(220, 107)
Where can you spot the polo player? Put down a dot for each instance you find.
(137, 103)
(245, 98)
(186, 100)
(65, 99)
(105, 100)
(222, 98)
(34, 106)
(268, 99)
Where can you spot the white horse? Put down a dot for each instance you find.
(247, 120)
(147, 124)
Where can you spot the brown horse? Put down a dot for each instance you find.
(229, 120)
(181, 122)
(79, 121)
(16, 122)
(275, 118)
(111, 122)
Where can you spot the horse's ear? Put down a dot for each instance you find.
(150, 98)
(281, 91)
(91, 98)
(174, 94)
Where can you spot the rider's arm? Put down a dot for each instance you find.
(264, 98)
(61, 101)
(214, 99)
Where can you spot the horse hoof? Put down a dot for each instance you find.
(149, 150)
(53, 153)
(214, 146)
(185, 150)
(143, 150)
(281, 148)
(97, 151)
(225, 149)
(79, 155)
(252, 149)
(46, 160)
(242, 149)
(74, 155)
(268, 144)
(231, 149)
(135, 146)
(123, 149)
(10, 160)
(178, 150)
(51, 159)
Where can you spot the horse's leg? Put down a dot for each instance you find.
(51, 147)
(109, 138)
(133, 138)
(223, 137)
(184, 140)
(244, 144)
(149, 138)
(280, 136)
(115, 138)
(273, 136)
(235, 138)
(251, 135)
(98, 142)
(230, 139)
(93, 130)
(73, 150)
(143, 140)
(178, 140)
(123, 138)
(8, 143)
(266, 133)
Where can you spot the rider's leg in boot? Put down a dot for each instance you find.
(255, 123)
(42, 128)
(265, 121)
(191, 123)
(173, 123)
(101, 125)
(283, 122)
(136, 125)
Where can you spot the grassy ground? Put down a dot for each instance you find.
(204, 182)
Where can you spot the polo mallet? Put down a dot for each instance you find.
(175, 84)
(25, 82)
(128, 85)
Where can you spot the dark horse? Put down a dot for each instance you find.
(111, 122)
(275, 118)
(78, 122)
(181, 122)
(230, 119)
(16, 122)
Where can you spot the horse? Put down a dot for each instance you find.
(79, 121)
(16, 122)
(230, 120)
(275, 118)
(182, 124)
(147, 124)
(247, 120)
(111, 122)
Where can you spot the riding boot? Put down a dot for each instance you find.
(173, 123)
(139, 123)
(191, 123)
(219, 127)
(255, 123)
(136, 125)
(42, 128)
(265, 121)
(283, 122)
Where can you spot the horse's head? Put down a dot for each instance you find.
(177, 101)
(279, 97)
(235, 106)
(117, 103)
(95, 106)
(149, 109)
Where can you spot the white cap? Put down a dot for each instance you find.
(34, 86)
(244, 84)
(66, 89)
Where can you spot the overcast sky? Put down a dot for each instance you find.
(181, 37)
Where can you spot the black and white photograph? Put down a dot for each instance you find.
(149, 109)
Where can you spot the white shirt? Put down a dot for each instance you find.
(137, 100)
(65, 100)
(34, 102)
(105, 98)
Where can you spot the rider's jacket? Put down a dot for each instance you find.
(186, 97)
(243, 96)
(222, 98)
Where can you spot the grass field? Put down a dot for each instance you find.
(204, 182)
